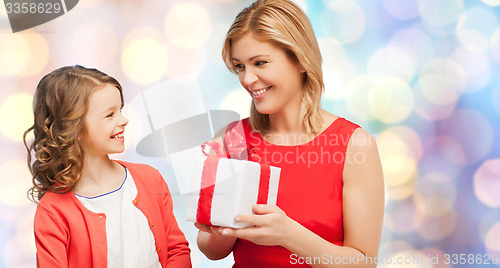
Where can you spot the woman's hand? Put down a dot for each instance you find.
(271, 226)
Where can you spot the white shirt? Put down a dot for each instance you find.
(130, 241)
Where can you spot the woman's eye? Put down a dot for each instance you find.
(260, 63)
(239, 67)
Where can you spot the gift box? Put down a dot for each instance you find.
(222, 188)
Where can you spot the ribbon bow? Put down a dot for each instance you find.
(236, 149)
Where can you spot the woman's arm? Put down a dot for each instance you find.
(363, 208)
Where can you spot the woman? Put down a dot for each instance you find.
(331, 195)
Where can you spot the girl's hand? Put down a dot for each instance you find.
(213, 230)
(271, 226)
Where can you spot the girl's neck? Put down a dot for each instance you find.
(99, 175)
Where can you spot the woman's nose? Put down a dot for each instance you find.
(248, 78)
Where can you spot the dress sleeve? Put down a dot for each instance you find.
(178, 246)
(51, 239)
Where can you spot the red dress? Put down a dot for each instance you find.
(310, 188)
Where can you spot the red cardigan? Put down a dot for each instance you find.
(69, 235)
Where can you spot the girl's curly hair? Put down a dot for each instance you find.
(59, 106)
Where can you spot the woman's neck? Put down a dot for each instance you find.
(286, 121)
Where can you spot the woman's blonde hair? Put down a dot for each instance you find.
(285, 25)
(59, 106)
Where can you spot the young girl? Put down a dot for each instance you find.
(331, 194)
(93, 211)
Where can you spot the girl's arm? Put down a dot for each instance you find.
(178, 249)
(363, 208)
(212, 243)
(51, 239)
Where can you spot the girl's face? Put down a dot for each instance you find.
(104, 123)
(267, 73)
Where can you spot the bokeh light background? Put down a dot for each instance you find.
(422, 76)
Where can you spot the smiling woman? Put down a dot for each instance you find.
(329, 203)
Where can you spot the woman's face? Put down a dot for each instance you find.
(267, 73)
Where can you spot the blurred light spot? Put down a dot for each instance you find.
(440, 13)
(387, 233)
(403, 215)
(438, 89)
(410, 139)
(401, 192)
(487, 222)
(187, 25)
(238, 101)
(496, 99)
(144, 61)
(398, 164)
(415, 43)
(492, 242)
(16, 115)
(436, 255)
(391, 61)
(487, 183)
(401, 9)
(436, 228)
(473, 39)
(391, 100)
(480, 19)
(438, 157)
(357, 97)
(15, 54)
(447, 148)
(495, 45)
(338, 71)
(390, 248)
(437, 101)
(89, 3)
(476, 67)
(409, 258)
(3, 11)
(343, 20)
(94, 44)
(472, 131)
(302, 4)
(475, 26)
(15, 186)
(492, 2)
(187, 62)
(39, 58)
(435, 194)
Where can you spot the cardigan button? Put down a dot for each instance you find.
(136, 201)
(158, 249)
(152, 224)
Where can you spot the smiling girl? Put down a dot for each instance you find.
(330, 206)
(93, 211)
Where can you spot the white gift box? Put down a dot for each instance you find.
(236, 190)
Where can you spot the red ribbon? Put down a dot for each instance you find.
(209, 173)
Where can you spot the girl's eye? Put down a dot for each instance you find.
(110, 115)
